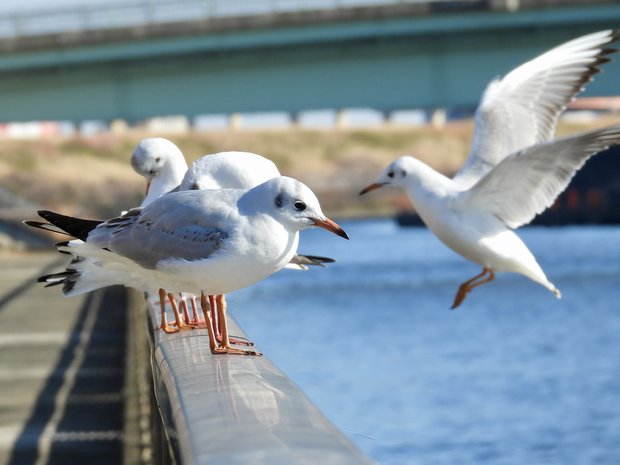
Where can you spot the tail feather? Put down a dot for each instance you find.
(75, 282)
(44, 226)
(301, 262)
(67, 278)
(76, 227)
(55, 278)
(312, 260)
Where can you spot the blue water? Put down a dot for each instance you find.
(513, 377)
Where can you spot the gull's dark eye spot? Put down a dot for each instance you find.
(390, 174)
(299, 205)
(278, 201)
(403, 173)
(158, 159)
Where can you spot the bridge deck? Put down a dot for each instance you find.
(61, 369)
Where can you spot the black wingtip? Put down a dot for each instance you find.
(68, 285)
(315, 259)
(76, 227)
(311, 260)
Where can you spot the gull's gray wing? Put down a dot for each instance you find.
(189, 225)
(522, 108)
(526, 183)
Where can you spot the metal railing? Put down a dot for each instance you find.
(211, 409)
(115, 14)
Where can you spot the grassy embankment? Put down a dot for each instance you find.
(92, 177)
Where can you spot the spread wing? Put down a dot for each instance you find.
(527, 182)
(522, 108)
(183, 225)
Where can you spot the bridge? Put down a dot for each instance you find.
(190, 57)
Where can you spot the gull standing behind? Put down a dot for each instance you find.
(239, 170)
(161, 163)
(514, 171)
(203, 241)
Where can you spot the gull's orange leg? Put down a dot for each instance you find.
(223, 323)
(177, 316)
(195, 317)
(225, 340)
(206, 311)
(185, 309)
(468, 285)
(164, 321)
(192, 322)
(216, 327)
(213, 344)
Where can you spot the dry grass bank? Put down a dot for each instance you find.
(91, 176)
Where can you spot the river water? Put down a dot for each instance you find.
(513, 377)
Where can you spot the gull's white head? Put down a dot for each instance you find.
(229, 170)
(157, 156)
(291, 203)
(161, 163)
(397, 174)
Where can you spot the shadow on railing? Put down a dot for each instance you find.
(227, 408)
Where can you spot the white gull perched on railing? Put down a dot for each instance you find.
(207, 242)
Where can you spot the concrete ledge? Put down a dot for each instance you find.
(236, 409)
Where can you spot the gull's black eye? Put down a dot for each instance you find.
(299, 205)
(157, 159)
(390, 174)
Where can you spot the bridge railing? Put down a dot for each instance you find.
(112, 15)
(220, 408)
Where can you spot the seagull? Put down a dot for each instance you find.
(163, 166)
(161, 163)
(206, 242)
(514, 170)
(160, 158)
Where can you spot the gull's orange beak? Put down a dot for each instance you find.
(372, 187)
(148, 185)
(330, 226)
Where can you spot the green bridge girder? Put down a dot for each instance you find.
(389, 63)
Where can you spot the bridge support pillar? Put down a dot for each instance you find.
(342, 119)
(235, 121)
(439, 118)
